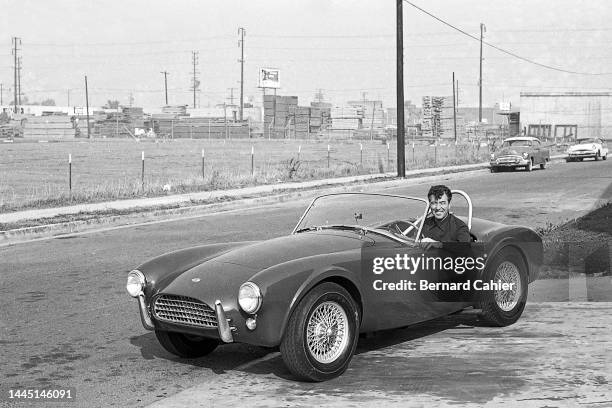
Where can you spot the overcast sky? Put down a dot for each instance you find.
(343, 47)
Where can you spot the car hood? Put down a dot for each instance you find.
(516, 151)
(223, 274)
(583, 146)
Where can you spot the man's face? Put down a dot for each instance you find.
(439, 207)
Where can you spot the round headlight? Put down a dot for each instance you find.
(135, 283)
(525, 154)
(249, 297)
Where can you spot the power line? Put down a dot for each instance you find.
(503, 50)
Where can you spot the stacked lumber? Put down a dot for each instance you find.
(113, 125)
(175, 109)
(48, 127)
(185, 127)
(277, 110)
(437, 117)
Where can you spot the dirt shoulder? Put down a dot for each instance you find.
(582, 245)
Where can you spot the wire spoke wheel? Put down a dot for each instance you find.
(508, 273)
(327, 333)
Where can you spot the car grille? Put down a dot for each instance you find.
(184, 310)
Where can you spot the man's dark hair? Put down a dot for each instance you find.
(438, 191)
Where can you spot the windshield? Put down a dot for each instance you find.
(516, 143)
(374, 211)
(587, 140)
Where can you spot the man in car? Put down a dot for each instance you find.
(442, 226)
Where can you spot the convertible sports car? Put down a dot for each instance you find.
(313, 292)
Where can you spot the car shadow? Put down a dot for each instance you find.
(264, 361)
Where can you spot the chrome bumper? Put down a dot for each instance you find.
(144, 313)
(225, 330)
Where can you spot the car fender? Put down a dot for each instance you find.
(526, 241)
(282, 291)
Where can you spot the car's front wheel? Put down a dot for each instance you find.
(503, 306)
(185, 345)
(529, 166)
(322, 333)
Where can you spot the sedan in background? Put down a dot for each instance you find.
(525, 151)
(589, 147)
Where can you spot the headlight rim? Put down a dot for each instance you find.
(142, 279)
(258, 296)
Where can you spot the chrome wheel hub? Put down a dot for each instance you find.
(327, 332)
(507, 272)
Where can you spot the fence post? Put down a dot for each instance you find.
(252, 160)
(388, 161)
(202, 164)
(70, 175)
(328, 156)
(142, 172)
(361, 154)
(299, 151)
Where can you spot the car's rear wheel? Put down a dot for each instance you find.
(543, 165)
(504, 307)
(322, 333)
(185, 345)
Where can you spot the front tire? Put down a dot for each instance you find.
(185, 345)
(504, 307)
(322, 333)
(529, 166)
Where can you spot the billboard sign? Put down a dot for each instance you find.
(269, 78)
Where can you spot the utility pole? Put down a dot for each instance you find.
(19, 79)
(457, 93)
(87, 106)
(241, 33)
(196, 83)
(482, 28)
(399, 16)
(16, 42)
(454, 110)
(165, 84)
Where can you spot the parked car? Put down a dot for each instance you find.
(311, 293)
(524, 151)
(588, 147)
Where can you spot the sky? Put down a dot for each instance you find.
(344, 48)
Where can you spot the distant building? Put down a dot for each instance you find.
(566, 115)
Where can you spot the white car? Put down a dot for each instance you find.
(593, 147)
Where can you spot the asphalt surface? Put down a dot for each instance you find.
(66, 320)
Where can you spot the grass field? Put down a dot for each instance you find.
(34, 175)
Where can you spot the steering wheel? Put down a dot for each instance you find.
(413, 226)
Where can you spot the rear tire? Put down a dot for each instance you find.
(322, 334)
(499, 307)
(543, 165)
(185, 345)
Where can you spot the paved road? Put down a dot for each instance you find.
(66, 319)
